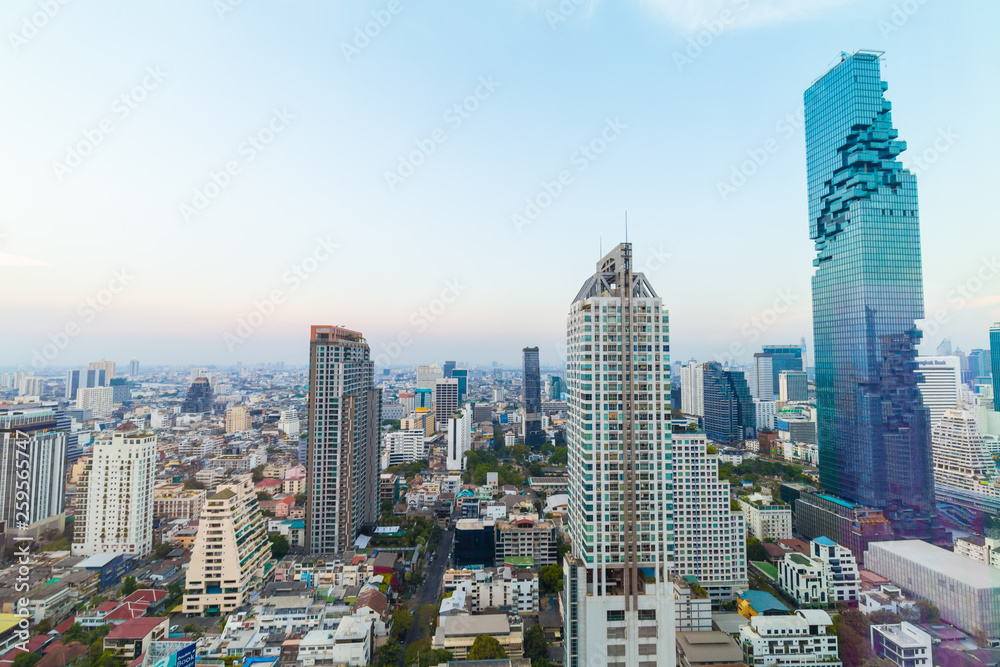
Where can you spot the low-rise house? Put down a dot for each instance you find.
(887, 597)
(829, 575)
(804, 638)
(692, 608)
(495, 588)
(456, 634)
(350, 644)
(132, 638)
(709, 648)
(903, 643)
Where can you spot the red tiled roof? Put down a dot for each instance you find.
(58, 654)
(148, 595)
(127, 610)
(267, 482)
(65, 625)
(136, 628)
(374, 600)
(110, 605)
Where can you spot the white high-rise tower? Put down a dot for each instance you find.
(619, 599)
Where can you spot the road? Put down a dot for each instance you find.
(429, 592)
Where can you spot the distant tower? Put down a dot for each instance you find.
(133, 369)
(533, 434)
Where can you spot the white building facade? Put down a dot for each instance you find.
(459, 438)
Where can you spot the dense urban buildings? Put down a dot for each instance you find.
(344, 417)
(115, 496)
(199, 397)
(941, 388)
(40, 432)
(964, 472)
(532, 431)
(867, 294)
(770, 363)
(619, 598)
(793, 386)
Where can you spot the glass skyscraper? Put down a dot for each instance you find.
(867, 292)
(533, 434)
(730, 415)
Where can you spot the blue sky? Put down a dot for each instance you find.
(268, 168)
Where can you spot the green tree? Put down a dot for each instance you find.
(536, 646)
(389, 654)
(279, 546)
(402, 619)
(550, 579)
(162, 549)
(175, 590)
(262, 496)
(560, 456)
(385, 509)
(129, 586)
(43, 626)
(25, 659)
(300, 498)
(498, 437)
(519, 452)
(258, 473)
(755, 550)
(75, 633)
(486, 648)
(929, 613)
(535, 469)
(193, 484)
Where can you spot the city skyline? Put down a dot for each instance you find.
(156, 290)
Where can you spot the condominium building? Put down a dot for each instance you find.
(966, 592)
(710, 536)
(404, 446)
(99, 400)
(459, 438)
(422, 419)
(114, 512)
(495, 588)
(446, 400)
(941, 387)
(793, 386)
(828, 576)
(173, 501)
(804, 639)
(964, 471)
(344, 418)
(288, 423)
(902, 643)
(730, 415)
(693, 389)
(767, 518)
(525, 536)
(80, 378)
(231, 554)
(619, 597)
(848, 524)
(427, 377)
(238, 419)
(108, 367)
(33, 450)
(31, 386)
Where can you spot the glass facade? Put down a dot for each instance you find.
(867, 293)
(783, 358)
(534, 436)
(994, 361)
(730, 414)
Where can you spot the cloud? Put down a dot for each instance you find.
(692, 15)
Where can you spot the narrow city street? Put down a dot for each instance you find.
(430, 590)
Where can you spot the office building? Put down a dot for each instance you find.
(767, 519)
(556, 388)
(710, 536)
(446, 401)
(804, 638)
(532, 431)
(462, 375)
(966, 592)
(475, 542)
(107, 366)
(482, 412)
(459, 438)
(828, 576)
(133, 369)
(619, 599)
(730, 414)
(238, 419)
(980, 367)
(39, 431)
(115, 496)
(121, 390)
(344, 417)
(449, 366)
(407, 399)
(944, 348)
(793, 386)
(994, 359)
(231, 555)
(199, 396)
(289, 424)
(902, 643)
(79, 378)
(403, 446)
(770, 363)
(427, 377)
(867, 294)
(941, 387)
(848, 524)
(765, 412)
(99, 400)
(423, 398)
(964, 472)
(693, 389)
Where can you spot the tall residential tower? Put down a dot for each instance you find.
(344, 416)
(619, 599)
(874, 440)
